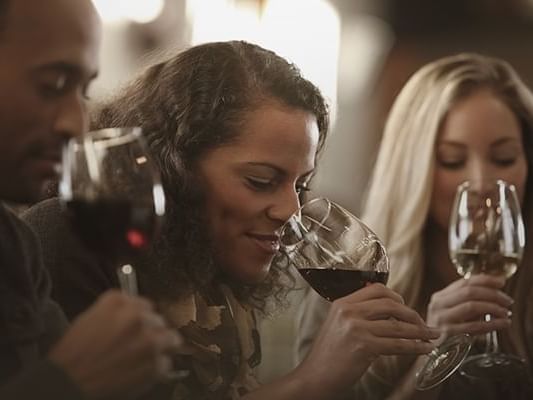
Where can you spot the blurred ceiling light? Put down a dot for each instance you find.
(214, 20)
(140, 11)
(307, 32)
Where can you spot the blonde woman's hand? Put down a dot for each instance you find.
(461, 306)
(370, 322)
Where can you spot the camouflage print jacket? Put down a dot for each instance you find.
(226, 347)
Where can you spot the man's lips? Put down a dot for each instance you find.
(268, 242)
(49, 164)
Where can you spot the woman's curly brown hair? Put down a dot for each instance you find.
(186, 106)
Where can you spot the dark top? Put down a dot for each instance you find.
(78, 276)
(30, 322)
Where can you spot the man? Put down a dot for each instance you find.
(119, 347)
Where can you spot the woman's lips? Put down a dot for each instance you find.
(268, 243)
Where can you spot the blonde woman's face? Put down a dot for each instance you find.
(480, 140)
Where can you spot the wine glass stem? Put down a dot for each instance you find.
(127, 279)
(491, 338)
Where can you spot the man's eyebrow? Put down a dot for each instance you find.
(71, 69)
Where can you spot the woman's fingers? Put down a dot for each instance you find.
(478, 327)
(463, 303)
(386, 308)
(392, 346)
(464, 293)
(370, 292)
(393, 328)
(471, 311)
(495, 282)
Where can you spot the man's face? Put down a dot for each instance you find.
(48, 56)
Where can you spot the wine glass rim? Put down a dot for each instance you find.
(330, 205)
(110, 137)
(468, 183)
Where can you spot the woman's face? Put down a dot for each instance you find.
(252, 186)
(480, 140)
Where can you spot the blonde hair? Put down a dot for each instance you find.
(399, 194)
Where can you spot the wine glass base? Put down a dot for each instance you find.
(443, 361)
(483, 365)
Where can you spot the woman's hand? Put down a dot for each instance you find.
(370, 322)
(460, 307)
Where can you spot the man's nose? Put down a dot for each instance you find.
(71, 119)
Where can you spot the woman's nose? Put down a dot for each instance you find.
(481, 176)
(285, 205)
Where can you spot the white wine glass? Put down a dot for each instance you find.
(487, 236)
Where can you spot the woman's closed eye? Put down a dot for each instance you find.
(302, 188)
(260, 184)
(451, 163)
(504, 161)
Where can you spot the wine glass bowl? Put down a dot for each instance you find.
(111, 192)
(334, 251)
(487, 233)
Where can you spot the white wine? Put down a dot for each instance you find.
(469, 262)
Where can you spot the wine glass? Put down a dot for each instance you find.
(487, 236)
(333, 250)
(112, 194)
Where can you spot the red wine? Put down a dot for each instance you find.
(115, 229)
(333, 284)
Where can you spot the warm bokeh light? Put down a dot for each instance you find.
(141, 11)
(306, 32)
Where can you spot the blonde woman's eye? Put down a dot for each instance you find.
(505, 161)
(451, 164)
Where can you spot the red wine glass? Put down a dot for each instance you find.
(333, 250)
(111, 191)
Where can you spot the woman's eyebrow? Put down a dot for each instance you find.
(505, 140)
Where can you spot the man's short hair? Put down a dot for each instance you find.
(4, 5)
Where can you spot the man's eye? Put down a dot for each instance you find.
(54, 87)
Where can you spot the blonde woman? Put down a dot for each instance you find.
(462, 117)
